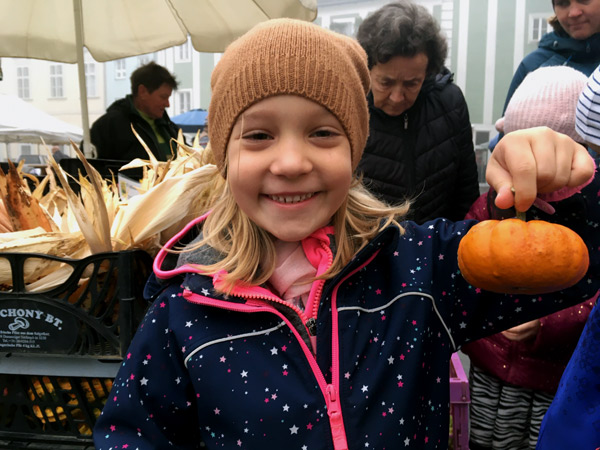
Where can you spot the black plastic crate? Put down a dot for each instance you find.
(60, 349)
(50, 412)
(94, 313)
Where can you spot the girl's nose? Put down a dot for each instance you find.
(291, 158)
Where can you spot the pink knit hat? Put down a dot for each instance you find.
(546, 97)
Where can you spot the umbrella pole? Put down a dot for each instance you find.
(87, 144)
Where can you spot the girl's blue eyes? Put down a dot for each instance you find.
(265, 136)
(258, 136)
(323, 133)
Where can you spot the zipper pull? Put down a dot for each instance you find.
(336, 421)
(405, 121)
(311, 324)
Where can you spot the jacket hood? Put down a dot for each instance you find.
(169, 264)
(438, 81)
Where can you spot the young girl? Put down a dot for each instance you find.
(301, 314)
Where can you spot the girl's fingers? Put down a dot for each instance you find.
(533, 161)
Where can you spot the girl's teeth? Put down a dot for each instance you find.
(291, 198)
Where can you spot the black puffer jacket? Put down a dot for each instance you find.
(113, 138)
(426, 154)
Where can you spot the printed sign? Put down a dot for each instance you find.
(34, 327)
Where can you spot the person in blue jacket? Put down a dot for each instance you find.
(575, 42)
(301, 312)
(573, 418)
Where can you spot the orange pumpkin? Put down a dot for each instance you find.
(516, 257)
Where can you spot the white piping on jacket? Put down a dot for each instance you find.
(398, 297)
(231, 338)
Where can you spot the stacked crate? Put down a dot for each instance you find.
(60, 349)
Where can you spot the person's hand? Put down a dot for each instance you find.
(535, 160)
(523, 332)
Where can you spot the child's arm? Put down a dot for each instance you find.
(151, 405)
(536, 160)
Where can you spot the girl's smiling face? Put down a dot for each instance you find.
(289, 165)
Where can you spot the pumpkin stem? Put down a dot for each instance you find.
(521, 215)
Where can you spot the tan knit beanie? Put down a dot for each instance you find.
(546, 97)
(286, 56)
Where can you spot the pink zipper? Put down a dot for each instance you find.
(329, 391)
(259, 293)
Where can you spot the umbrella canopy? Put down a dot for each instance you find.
(57, 30)
(191, 121)
(22, 122)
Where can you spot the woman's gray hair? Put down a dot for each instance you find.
(403, 29)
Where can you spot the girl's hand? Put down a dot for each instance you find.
(535, 160)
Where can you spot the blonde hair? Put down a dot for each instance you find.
(248, 250)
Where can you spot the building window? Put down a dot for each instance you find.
(184, 101)
(145, 59)
(90, 79)
(120, 69)
(183, 53)
(347, 25)
(56, 81)
(23, 82)
(538, 26)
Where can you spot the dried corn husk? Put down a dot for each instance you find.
(23, 209)
(37, 270)
(171, 194)
(177, 197)
(5, 222)
(94, 227)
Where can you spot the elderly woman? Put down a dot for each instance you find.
(420, 145)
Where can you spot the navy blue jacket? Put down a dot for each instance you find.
(237, 371)
(573, 419)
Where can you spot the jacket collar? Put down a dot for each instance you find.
(166, 267)
(566, 45)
